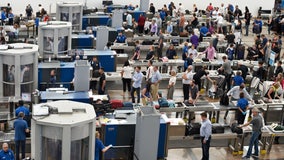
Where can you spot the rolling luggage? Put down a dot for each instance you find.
(217, 128)
(192, 129)
(116, 104)
(128, 104)
(224, 100)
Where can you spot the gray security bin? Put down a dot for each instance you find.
(147, 133)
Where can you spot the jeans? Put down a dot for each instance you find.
(247, 30)
(205, 148)
(253, 142)
(137, 90)
(269, 29)
(21, 143)
(126, 82)
(185, 88)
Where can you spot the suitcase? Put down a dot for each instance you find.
(236, 129)
(192, 129)
(183, 34)
(147, 42)
(217, 128)
(224, 100)
(128, 104)
(116, 104)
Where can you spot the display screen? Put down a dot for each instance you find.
(48, 45)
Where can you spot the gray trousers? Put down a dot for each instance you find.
(170, 94)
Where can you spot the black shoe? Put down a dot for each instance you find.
(254, 156)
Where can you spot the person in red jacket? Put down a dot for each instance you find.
(141, 22)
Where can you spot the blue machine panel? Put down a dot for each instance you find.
(72, 96)
(94, 20)
(123, 135)
(64, 74)
(82, 41)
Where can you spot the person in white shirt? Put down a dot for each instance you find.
(187, 77)
(219, 21)
(222, 9)
(215, 13)
(149, 71)
(126, 77)
(171, 86)
(175, 12)
(234, 93)
(180, 9)
(129, 20)
(147, 26)
(193, 51)
(137, 8)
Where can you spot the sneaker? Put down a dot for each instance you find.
(254, 156)
(245, 157)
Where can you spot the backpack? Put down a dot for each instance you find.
(230, 53)
(236, 129)
(224, 100)
(256, 29)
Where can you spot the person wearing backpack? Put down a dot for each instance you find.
(230, 52)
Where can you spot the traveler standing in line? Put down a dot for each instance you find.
(102, 82)
(136, 86)
(205, 134)
(187, 77)
(155, 81)
(126, 77)
(171, 86)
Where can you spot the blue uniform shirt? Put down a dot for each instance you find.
(120, 39)
(243, 103)
(22, 109)
(20, 127)
(238, 80)
(204, 30)
(98, 148)
(9, 155)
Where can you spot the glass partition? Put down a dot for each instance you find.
(8, 80)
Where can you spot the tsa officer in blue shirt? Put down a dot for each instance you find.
(120, 38)
(205, 134)
(242, 108)
(21, 128)
(6, 153)
(22, 108)
(99, 146)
